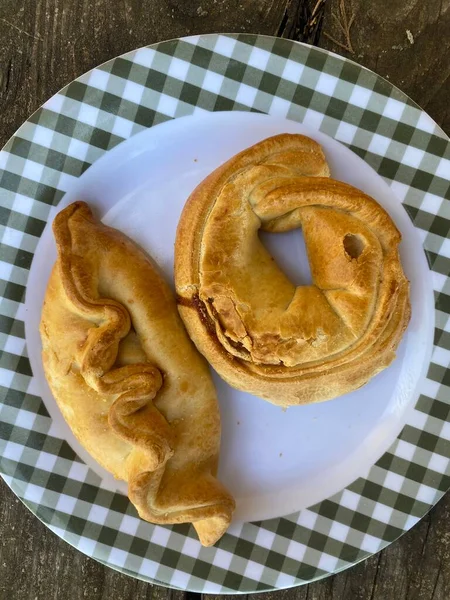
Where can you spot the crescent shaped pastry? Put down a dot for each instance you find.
(128, 380)
(288, 344)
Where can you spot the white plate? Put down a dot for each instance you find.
(274, 462)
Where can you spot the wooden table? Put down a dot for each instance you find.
(44, 44)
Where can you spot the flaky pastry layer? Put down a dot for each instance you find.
(289, 344)
(128, 380)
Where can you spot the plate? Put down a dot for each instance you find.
(339, 480)
(140, 187)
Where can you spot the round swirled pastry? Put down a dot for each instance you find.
(264, 335)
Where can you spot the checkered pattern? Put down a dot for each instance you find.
(110, 104)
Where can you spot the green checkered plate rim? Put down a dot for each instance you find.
(75, 128)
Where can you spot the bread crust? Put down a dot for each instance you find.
(289, 345)
(128, 380)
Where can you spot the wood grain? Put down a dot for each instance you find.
(44, 44)
(405, 41)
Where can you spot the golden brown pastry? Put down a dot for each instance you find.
(128, 380)
(288, 344)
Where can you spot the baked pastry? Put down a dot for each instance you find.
(128, 380)
(262, 334)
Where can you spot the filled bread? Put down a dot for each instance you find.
(264, 335)
(127, 378)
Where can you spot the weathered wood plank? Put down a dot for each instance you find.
(405, 41)
(44, 44)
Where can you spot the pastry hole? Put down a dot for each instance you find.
(353, 245)
(288, 249)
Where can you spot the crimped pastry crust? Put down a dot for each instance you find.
(287, 344)
(128, 380)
